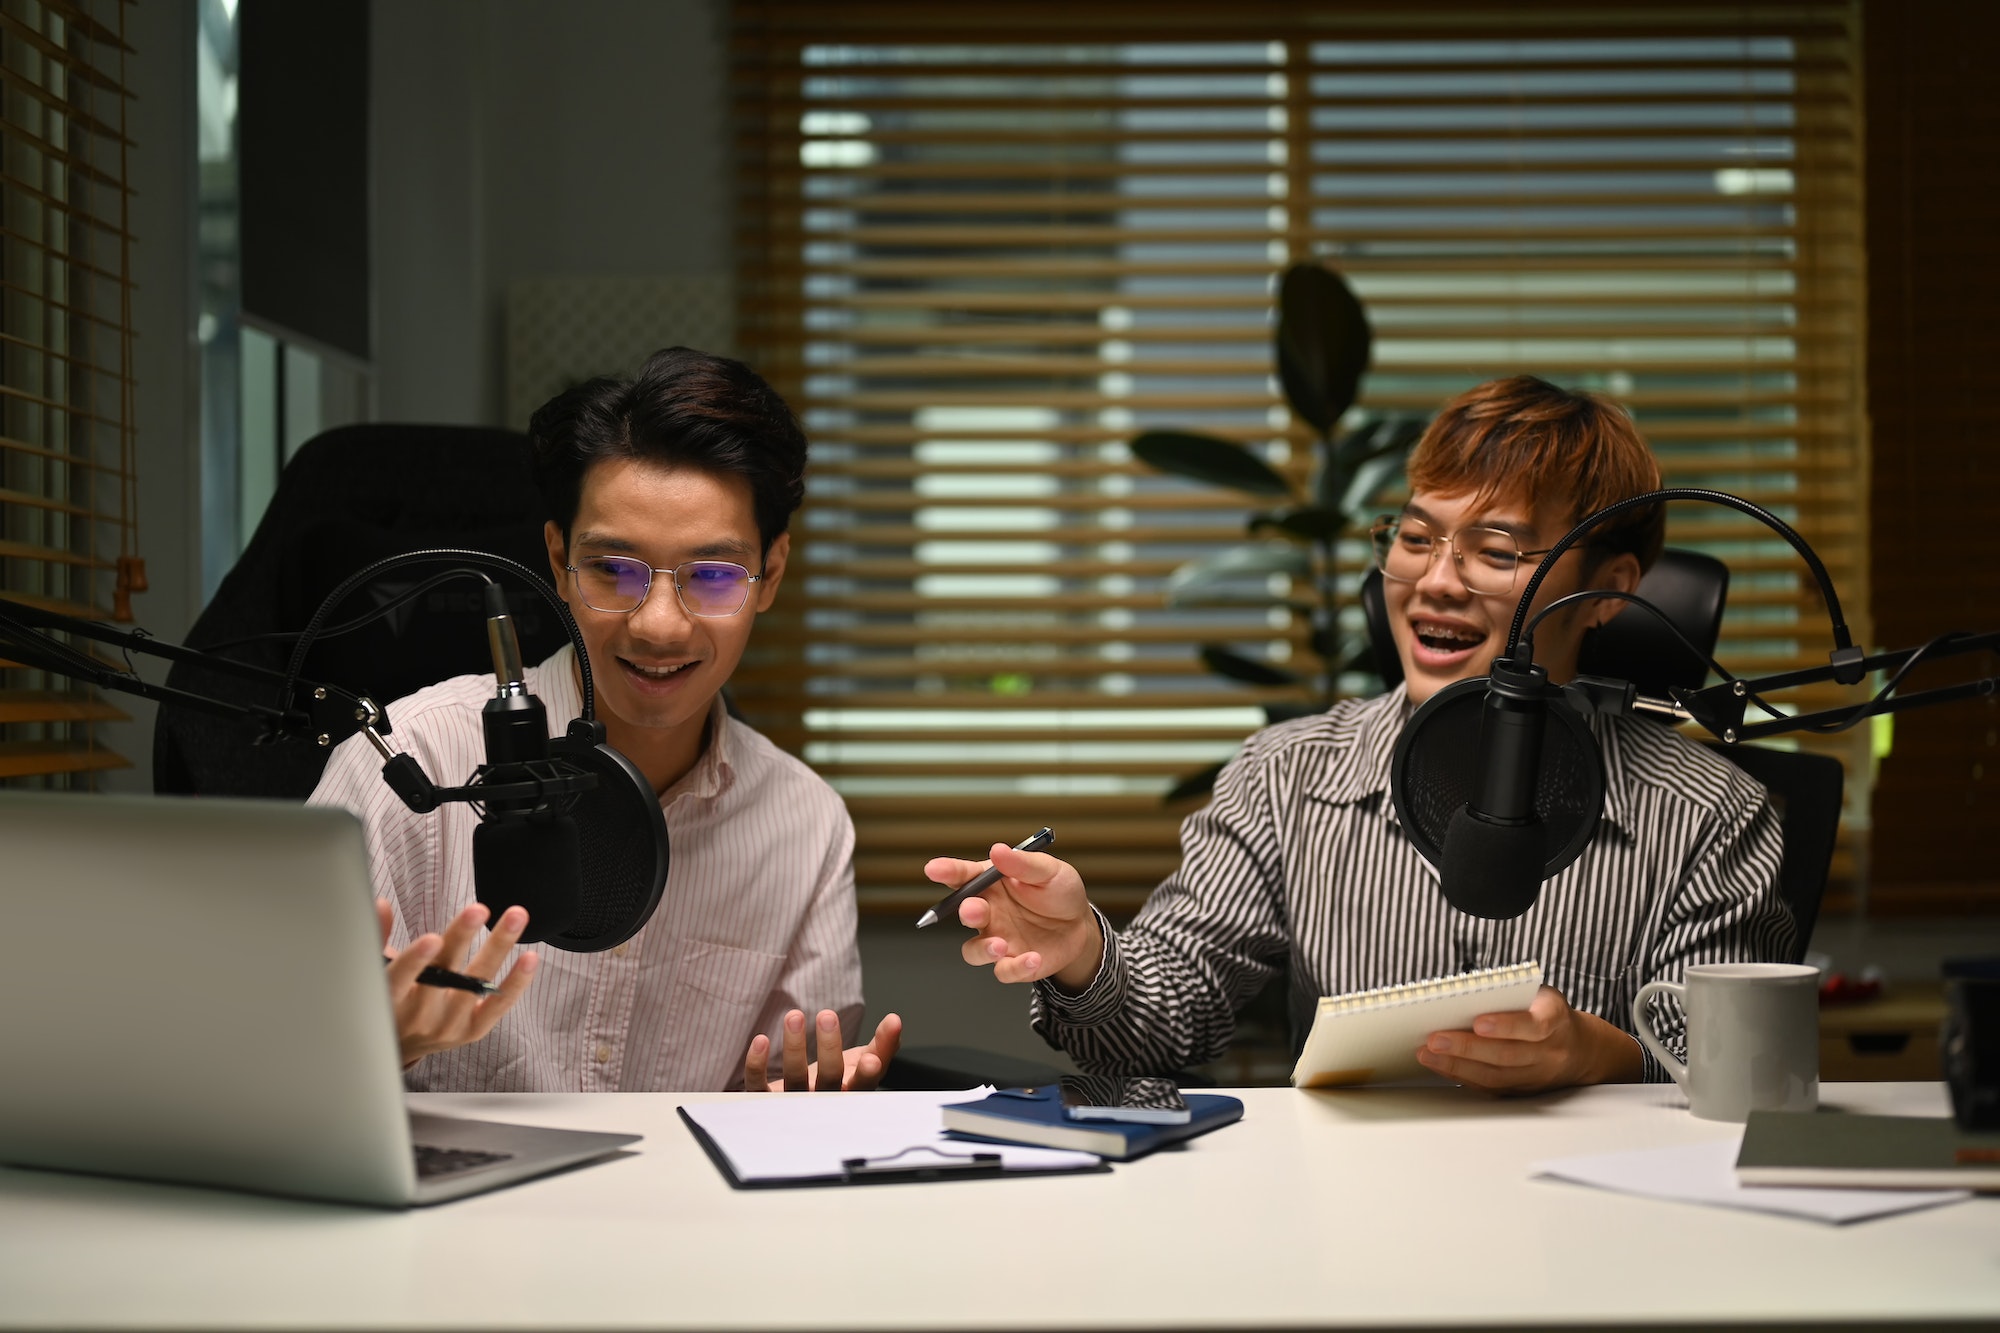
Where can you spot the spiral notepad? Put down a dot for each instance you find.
(1372, 1036)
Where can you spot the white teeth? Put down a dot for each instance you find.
(1447, 633)
(658, 673)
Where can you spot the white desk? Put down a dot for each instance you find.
(1365, 1209)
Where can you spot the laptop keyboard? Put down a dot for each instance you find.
(433, 1162)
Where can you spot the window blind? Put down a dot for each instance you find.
(67, 523)
(983, 246)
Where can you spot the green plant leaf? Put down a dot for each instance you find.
(1369, 480)
(1250, 670)
(1207, 459)
(1235, 575)
(1309, 524)
(1323, 342)
(1194, 784)
(1351, 477)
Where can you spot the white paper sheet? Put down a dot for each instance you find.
(1706, 1173)
(803, 1135)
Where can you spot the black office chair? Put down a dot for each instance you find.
(1690, 589)
(350, 497)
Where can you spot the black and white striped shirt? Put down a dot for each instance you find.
(1300, 860)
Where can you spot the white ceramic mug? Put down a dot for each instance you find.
(1752, 1037)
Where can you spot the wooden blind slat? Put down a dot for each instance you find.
(66, 444)
(47, 706)
(25, 759)
(951, 260)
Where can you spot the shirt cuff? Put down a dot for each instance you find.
(1099, 1000)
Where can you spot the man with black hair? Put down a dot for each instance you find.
(669, 497)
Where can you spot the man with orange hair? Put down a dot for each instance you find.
(1299, 859)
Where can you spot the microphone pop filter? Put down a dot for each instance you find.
(1435, 772)
(621, 856)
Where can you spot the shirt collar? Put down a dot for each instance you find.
(714, 771)
(1361, 769)
(1617, 793)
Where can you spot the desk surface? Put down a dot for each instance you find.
(1339, 1209)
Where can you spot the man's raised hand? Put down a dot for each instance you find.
(1035, 923)
(432, 1018)
(861, 1067)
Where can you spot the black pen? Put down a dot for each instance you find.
(982, 881)
(446, 979)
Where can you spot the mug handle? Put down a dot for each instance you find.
(1677, 1070)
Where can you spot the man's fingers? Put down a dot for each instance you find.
(832, 1070)
(500, 941)
(950, 871)
(1485, 1050)
(757, 1065)
(983, 950)
(494, 1007)
(975, 912)
(1021, 967)
(888, 1036)
(1519, 1025)
(385, 917)
(795, 1052)
(459, 934)
(1485, 1077)
(1033, 869)
(414, 958)
(867, 1073)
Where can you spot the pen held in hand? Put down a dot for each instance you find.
(983, 881)
(445, 978)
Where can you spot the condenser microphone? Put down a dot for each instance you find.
(525, 850)
(1499, 784)
(1492, 859)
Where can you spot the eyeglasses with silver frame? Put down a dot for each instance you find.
(619, 584)
(1488, 560)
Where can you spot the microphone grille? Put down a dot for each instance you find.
(622, 850)
(1436, 768)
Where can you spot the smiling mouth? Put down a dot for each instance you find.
(655, 673)
(1440, 638)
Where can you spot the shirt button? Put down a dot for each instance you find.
(603, 1054)
(620, 950)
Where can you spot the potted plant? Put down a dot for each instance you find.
(1322, 343)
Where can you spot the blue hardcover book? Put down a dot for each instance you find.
(1038, 1116)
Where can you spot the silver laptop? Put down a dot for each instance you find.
(193, 992)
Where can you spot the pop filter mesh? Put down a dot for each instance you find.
(1435, 770)
(622, 846)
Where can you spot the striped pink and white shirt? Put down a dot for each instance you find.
(758, 915)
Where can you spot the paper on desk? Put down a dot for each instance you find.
(1706, 1173)
(800, 1137)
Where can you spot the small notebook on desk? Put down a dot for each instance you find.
(1372, 1036)
(1847, 1151)
(863, 1138)
(1036, 1115)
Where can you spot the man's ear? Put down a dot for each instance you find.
(1621, 573)
(552, 537)
(774, 571)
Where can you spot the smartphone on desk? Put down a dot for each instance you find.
(1139, 1101)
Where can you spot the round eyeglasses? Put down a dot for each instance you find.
(619, 584)
(1487, 559)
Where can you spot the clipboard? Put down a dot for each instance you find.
(873, 1138)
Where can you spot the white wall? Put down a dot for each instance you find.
(517, 138)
